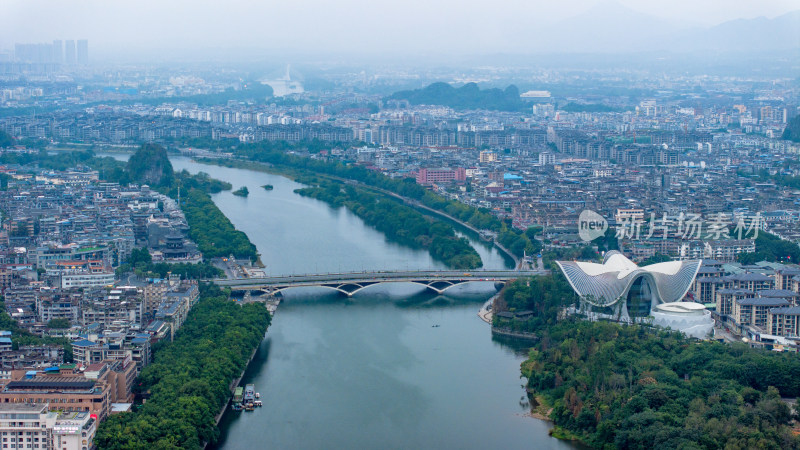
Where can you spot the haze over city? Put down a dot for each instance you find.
(416, 224)
(196, 30)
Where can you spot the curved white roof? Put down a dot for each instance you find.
(604, 284)
(615, 260)
(682, 308)
(687, 317)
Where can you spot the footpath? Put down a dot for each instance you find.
(485, 313)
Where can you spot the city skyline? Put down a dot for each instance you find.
(301, 206)
(313, 27)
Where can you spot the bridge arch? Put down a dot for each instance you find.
(350, 289)
(439, 286)
(349, 284)
(347, 289)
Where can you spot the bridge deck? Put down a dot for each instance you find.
(418, 276)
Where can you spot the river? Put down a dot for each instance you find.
(392, 367)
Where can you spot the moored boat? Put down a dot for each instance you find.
(249, 393)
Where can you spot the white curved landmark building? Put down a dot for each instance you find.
(620, 290)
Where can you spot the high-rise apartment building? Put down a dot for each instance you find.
(58, 52)
(34, 53)
(83, 52)
(69, 52)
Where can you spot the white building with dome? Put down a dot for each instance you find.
(691, 318)
(620, 290)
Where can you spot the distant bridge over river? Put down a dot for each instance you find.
(350, 283)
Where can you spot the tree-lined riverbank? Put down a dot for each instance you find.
(400, 223)
(611, 385)
(280, 161)
(188, 381)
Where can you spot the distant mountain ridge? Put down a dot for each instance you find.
(780, 33)
(469, 96)
(610, 27)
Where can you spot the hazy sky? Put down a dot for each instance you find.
(137, 26)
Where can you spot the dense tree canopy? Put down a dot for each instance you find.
(655, 259)
(608, 241)
(518, 243)
(274, 153)
(184, 182)
(638, 387)
(400, 223)
(791, 181)
(189, 380)
(469, 96)
(792, 131)
(214, 234)
(58, 161)
(615, 386)
(150, 165)
(5, 139)
(771, 248)
(58, 323)
(544, 296)
(141, 263)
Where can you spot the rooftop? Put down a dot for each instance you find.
(782, 293)
(788, 310)
(682, 308)
(748, 276)
(56, 383)
(22, 407)
(762, 301)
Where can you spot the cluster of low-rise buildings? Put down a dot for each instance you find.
(759, 302)
(684, 174)
(63, 235)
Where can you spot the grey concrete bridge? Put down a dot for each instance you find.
(352, 282)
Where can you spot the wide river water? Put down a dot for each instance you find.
(392, 367)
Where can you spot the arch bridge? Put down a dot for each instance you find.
(350, 283)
